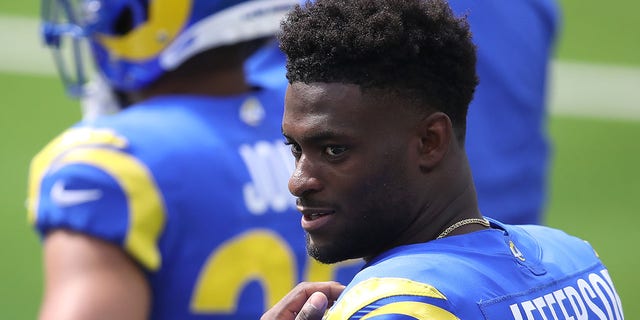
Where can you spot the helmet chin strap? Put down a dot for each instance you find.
(98, 99)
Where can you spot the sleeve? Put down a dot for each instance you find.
(83, 198)
(86, 181)
(391, 298)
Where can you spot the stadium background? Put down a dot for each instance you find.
(594, 125)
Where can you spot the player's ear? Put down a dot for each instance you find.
(436, 132)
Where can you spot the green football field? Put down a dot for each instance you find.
(595, 178)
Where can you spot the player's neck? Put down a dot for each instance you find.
(449, 203)
(226, 82)
(459, 203)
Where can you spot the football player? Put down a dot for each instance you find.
(375, 114)
(175, 205)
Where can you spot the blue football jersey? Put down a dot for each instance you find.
(507, 272)
(194, 189)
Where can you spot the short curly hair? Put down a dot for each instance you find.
(417, 49)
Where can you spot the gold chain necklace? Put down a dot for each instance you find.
(461, 223)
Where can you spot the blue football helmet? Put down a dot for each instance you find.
(133, 42)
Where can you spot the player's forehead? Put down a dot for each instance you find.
(322, 110)
(317, 94)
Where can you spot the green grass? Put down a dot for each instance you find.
(33, 111)
(20, 8)
(602, 31)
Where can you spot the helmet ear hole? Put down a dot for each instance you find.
(128, 19)
(124, 23)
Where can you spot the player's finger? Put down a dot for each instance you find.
(292, 304)
(314, 308)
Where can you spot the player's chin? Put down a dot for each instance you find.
(328, 253)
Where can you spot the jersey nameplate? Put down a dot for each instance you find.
(589, 295)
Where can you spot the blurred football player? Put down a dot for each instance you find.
(174, 206)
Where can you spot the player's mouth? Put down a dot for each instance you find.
(314, 218)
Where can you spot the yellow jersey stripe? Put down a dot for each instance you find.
(371, 290)
(68, 140)
(418, 310)
(146, 207)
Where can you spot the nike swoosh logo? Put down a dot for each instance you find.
(67, 198)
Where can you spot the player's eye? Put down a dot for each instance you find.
(335, 151)
(295, 148)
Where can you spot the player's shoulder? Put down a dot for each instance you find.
(76, 138)
(555, 246)
(87, 180)
(91, 156)
(391, 297)
(545, 234)
(412, 280)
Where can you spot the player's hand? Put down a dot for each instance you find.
(307, 301)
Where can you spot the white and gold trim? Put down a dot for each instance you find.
(371, 290)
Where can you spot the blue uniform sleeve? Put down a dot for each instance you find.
(86, 181)
(83, 198)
